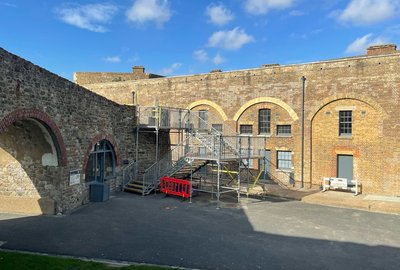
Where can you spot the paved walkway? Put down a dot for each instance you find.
(379, 204)
(274, 233)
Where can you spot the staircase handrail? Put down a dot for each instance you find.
(152, 174)
(223, 140)
(128, 173)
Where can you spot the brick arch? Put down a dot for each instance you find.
(23, 114)
(211, 104)
(276, 101)
(98, 138)
(316, 108)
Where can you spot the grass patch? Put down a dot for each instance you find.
(22, 261)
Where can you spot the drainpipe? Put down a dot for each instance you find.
(303, 79)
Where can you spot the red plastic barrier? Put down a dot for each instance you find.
(174, 186)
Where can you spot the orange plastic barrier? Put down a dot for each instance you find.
(174, 186)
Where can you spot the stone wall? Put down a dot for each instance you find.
(368, 85)
(85, 78)
(48, 126)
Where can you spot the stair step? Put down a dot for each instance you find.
(135, 185)
(135, 190)
(136, 182)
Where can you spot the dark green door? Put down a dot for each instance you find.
(345, 166)
(267, 162)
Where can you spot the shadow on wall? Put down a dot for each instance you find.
(29, 168)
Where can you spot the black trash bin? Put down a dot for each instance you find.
(99, 192)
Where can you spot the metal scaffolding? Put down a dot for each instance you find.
(214, 161)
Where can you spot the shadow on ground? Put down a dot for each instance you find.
(257, 235)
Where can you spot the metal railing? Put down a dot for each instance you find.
(147, 116)
(162, 117)
(129, 172)
(173, 159)
(203, 141)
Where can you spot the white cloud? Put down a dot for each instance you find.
(261, 7)
(218, 59)
(200, 55)
(360, 45)
(112, 59)
(230, 40)
(143, 11)
(90, 17)
(171, 69)
(364, 12)
(219, 14)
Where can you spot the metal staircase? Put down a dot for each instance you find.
(202, 144)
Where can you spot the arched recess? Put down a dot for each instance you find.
(32, 153)
(211, 104)
(48, 123)
(97, 139)
(362, 145)
(276, 101)
(317, 107)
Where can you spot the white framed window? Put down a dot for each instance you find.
(246, 129)
(217, 127)
(283, 130)
(264, 121)
(284, 160)
(345, 123)
(203, 119)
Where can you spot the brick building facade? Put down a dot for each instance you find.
(51, 128)
(351, 109)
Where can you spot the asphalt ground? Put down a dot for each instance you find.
(274, 233)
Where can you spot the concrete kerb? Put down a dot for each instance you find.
(348, 200)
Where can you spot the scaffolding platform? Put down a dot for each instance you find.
(203, 146)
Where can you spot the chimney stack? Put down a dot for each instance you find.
(138, 70)
(381, 49)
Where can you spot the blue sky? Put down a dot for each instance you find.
(177, 37)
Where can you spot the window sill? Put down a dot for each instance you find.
(345, 137)
(284, 136)
(266, 135)
(284, 170)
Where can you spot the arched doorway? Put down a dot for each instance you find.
(101, 163)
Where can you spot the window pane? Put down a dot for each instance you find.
(165, 117)
(284, 130)
(203, 121)
(108, 165)
(101, 162)
(246, 129)
(264, 121)
(284, 159)
(245, 153)
(345, 122)
(217, 127)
